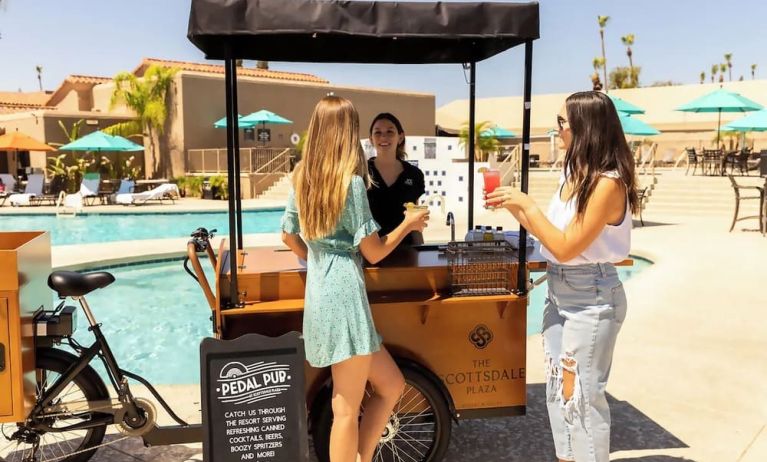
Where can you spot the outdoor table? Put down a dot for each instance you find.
(146, 185)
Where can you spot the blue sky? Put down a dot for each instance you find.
(675, 40)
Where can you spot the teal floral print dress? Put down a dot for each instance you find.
(337, 320)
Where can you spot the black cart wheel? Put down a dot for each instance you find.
(18, 442)
(418, 430)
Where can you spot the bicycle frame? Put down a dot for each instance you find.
(124, 409)
(99, 348)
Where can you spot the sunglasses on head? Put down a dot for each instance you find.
(561, 121)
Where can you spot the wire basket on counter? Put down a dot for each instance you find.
(480, 267)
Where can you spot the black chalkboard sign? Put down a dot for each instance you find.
(253, 402)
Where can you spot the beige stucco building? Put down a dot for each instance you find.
(679, 129)
(196, 101)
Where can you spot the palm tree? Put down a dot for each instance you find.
(702, 77)
(39, 70)
(483, 145)
(146, 96)
(753, 71)
(722, 68)
(714, 70)
(728, 58)
(628, 40)
(595, 82)
(602, 20)
(262, 65)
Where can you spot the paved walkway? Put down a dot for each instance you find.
(688, 382)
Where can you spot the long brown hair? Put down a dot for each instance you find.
(332, 154)
(598, 145)
(401, 153)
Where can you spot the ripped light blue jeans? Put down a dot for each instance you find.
(584, 311)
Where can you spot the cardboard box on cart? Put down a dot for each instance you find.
(25, 263)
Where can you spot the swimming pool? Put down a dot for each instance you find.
(155, 316)
(107, 227)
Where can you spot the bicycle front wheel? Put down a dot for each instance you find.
(22, 443)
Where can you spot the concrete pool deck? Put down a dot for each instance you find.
(688, 380)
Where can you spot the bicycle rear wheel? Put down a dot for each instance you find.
(20, 443)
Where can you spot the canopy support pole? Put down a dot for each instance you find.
(522, 268)
(472, 122)
(232, 151)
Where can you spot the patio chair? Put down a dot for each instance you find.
(125, 187)
(712, 162)
(9, 186)
(34, 188)
(51, 193)
(692, 159)
(754, 163)
(760, 197)
(162, 192)
(89, 188)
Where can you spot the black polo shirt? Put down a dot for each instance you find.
(386, 202)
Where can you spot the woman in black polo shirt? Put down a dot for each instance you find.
(395, 181)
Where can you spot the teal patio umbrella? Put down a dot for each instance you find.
(221, 123)
(632, 126)
(264, 117)
(100, 141)
(754, 122)
(498, 133)
(621, 105)
(719, 101)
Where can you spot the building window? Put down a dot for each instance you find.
(444, 173)
(449, 147)
(460, 178)
(460, 198)
(444, 193)
(415, 148)
(431, 183)
(426, 173)
(430, 148)
(435, 173)
(431, 203)
(439, 183)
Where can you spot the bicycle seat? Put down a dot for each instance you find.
(73, 284)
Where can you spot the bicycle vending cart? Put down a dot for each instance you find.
(453, 316)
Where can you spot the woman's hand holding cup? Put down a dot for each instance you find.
(416, 216)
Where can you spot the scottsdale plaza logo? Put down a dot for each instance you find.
(241, 384)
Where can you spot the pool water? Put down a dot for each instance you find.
(90, 228)
(154, 317)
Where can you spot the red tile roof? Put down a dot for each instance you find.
(31, 98)
(89, 79)
(7, 108)
(74, 79)
(219, 69)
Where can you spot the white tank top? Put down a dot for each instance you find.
(611, 246)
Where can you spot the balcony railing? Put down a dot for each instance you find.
(252, 160)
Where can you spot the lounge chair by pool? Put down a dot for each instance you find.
(9, 185)
(33, 189)
(89, 188)
(162, 192)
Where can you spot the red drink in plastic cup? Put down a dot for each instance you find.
(492, 180)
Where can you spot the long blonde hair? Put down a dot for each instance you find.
(332, 155)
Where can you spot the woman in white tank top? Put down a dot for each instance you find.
(586, 230)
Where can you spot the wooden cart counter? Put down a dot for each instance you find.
(474, 346)
(275, 277)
